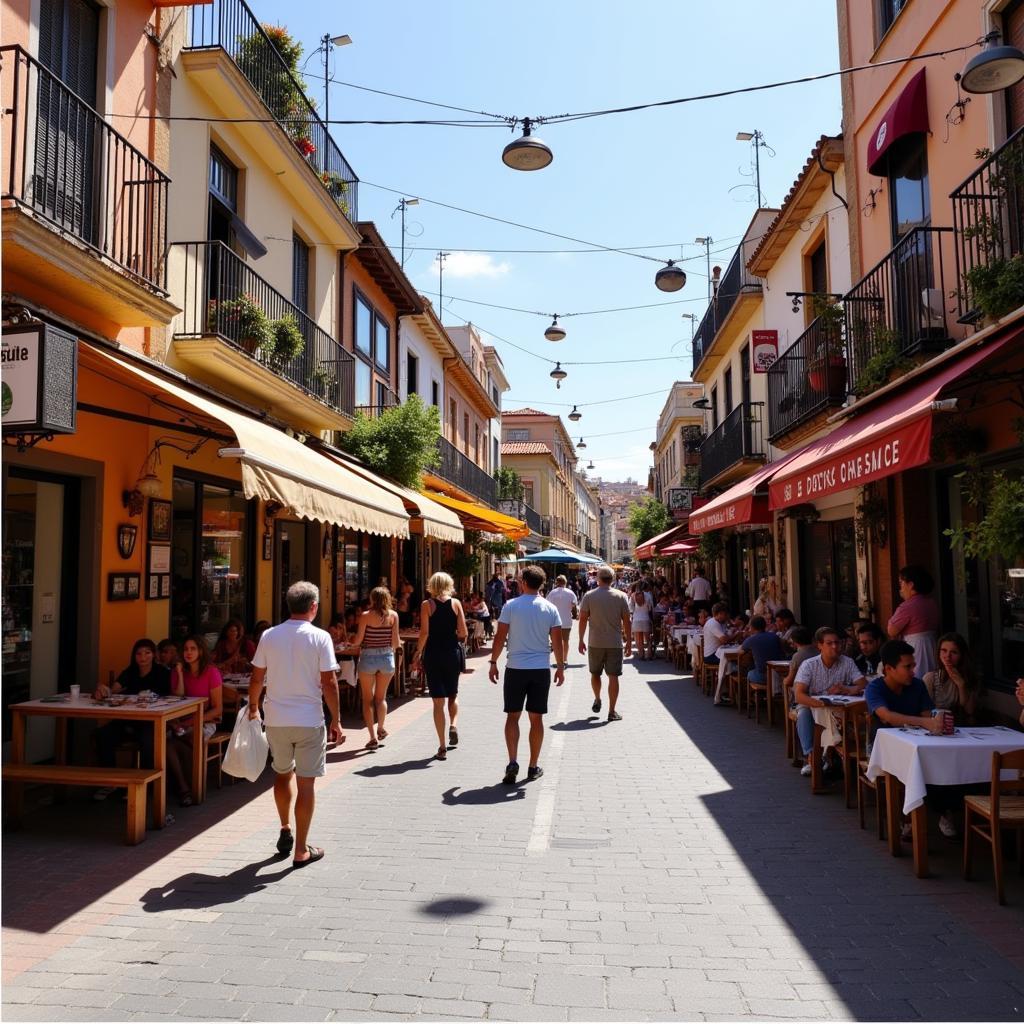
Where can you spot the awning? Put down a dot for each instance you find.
(889, 438)
(439, 523)
(276, 467)
(650, 546)
(908, 114)
(680, 547)
(480, 517)
(739, 504)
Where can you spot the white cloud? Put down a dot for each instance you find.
(471, 264)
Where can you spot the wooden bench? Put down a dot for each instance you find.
(134, 780)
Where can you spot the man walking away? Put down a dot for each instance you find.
(527, 622)
(495, 595)
(565, 601)
(606, 611)
(295, 660)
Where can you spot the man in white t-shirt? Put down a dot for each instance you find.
(565, 601)
(527, 622)
(717, 634)
(295, 660)
(699, 590)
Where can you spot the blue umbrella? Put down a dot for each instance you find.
(551, 555)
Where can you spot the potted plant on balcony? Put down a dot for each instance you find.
(287, 341)
(826, 369)
(886, 363)
(337, 186)
(997, 287)
(693, 438)
(324, 384)
(242, 321)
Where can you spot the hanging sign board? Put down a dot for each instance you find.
(764, 350)
(38, 379)
(680, 501)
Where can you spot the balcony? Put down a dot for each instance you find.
(897, 310)
(386, 399)
(734, 443)
(988, 218)
(462, 472)
(809, 377)
(530, 516)
(219, 335)
(228, 46)
(735, 289)
(588, 546)
(85, 213)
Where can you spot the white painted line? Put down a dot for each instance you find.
(544, 815)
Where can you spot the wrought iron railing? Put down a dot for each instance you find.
(464, 473)
(898, 308)
(386, 399)
(809, 376)
(988, 217)
(737, 437)
(73, 170)
(518, 509)
(224, 297)
(735, 281)
(231, 26)
(588, 546)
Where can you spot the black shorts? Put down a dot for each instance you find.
(529, 686)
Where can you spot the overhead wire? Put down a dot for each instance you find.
(536, 312)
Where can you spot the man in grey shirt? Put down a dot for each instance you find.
(606, 611)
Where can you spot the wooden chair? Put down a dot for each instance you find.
(757, 694)
(705, 674)
(793, 751)
(215, 747)
(1002, 808)
(735, 684)
(848, 749)
(862, 729)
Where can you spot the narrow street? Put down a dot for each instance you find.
(668, 866)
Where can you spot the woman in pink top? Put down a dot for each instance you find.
(197, 677)
(916, 620)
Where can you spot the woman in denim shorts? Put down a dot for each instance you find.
(377, 638)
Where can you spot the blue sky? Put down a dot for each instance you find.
(653, 178)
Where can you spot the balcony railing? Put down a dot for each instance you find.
(219, 290)
(386, 399)
(520, 510)
(734, 283)
(464, 473)
(809, 376)
(230, 25)
(588, 546)
(66, 164)
(988, 217)
(898, 308)
(736, 438)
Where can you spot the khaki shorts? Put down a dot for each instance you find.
(298, 748)
(605, 659)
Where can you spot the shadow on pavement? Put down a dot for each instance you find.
(893, 947)
(497, 794)
(399, 768)
(579, 724)
(452, 906)
(195, 891)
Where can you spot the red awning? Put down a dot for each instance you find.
(680, 547)
(908, 114)
(649, 547)
(889, 438)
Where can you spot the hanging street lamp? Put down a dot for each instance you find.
(558, 375)
(554, 332)
(670, 278)
(526, 153)
(575, 415)
(996, 67)
(581, 443)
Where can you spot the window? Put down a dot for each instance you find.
(888, 11)
(435, 393)
(909, 200)
(364, 382)
(476, 443)
(412, 369)
(528, 493)
(727, 392)
(364, 326)
(465, 431)
(382, 345)
(373, 349)
(453, 421)
(517, 435)
(1013, 35)
(495, 455)
(300, 273)
(714, 407)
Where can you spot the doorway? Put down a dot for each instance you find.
(295, 544)
(828, 574)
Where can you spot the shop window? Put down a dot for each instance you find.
(359, 562)
(212, 557)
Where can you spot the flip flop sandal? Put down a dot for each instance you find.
(372, 745)
(285, 841)
(315, 853)
(442, 754)
(453, 737)
(382, 734)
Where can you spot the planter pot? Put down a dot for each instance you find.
(691, 458)
(828, 377)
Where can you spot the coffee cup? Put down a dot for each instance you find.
(76, 691)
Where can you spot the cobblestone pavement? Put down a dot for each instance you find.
(671, 865)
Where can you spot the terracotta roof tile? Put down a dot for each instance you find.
(525, 448)
(523, 412)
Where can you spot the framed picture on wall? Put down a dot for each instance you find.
(133, 581)
(158, 586)
(159, 559)
(152, 587)
(159, 525)
(165, 586)
(123, 586)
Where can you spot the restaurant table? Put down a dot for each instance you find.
(727, 656)
(410, 638)
(914, 759)
(776, 671)
(160, 713)
(830, 725)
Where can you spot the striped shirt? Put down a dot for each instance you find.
(377, 636)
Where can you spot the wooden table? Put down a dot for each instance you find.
(728, 657)
(911, 760)
(844, 709)
(160, 713)
(777, 667)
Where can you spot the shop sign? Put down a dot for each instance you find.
(680, 499)
(748, 509)
(764, 350)
(38, 379)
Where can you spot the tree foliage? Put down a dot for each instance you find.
(510, 484)
(647, 519)
(400, 443)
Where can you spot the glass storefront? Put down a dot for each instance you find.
(359, 565)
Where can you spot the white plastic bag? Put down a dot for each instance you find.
(246, 756)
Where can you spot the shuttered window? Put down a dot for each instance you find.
(1013, 35)
(300, 273)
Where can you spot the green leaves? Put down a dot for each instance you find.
(647, 519)
(1000, 531)
(400, 443)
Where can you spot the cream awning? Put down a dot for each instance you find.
(439, 523)
(277, 467)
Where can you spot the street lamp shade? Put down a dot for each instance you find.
(558, 375)
(670, 278)
(744, 136)
(575, 415)
(996, 67)
(581, 443)
(554, 332)
(345, 40)
(526, 153)
(412, 202)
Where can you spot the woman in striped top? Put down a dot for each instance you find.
(377, 639)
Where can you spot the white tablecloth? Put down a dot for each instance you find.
(723, 664)
(829, 722)
(776, 679)
(919, 759)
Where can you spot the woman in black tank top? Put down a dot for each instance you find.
(442, 628)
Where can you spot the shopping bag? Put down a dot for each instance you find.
(246, 756)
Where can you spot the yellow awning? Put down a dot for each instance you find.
(439, 523)
(480, 517)
(277, 467)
